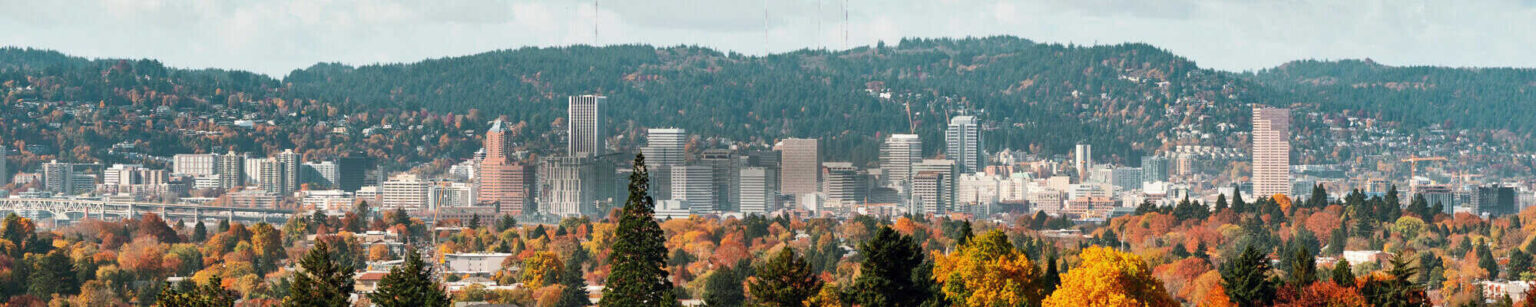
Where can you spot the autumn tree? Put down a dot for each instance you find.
(786, 280)
(322, 282)
(409, 284)
(542, 268)
(1107, 277)
(638, 256)
(885, 277)
(988, 271)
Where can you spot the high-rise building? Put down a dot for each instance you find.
(1127, 178)
(801, 166)
(444, 194)
(755, 193)
(59, 177)
(288, 165)
(502, 181)
(1082, 161)
(586, 125)
(928, 191)
(195, 164)
(253, 170)
(725, 168)
(567, 186)
(664, 146)
(964, 144)
(1154, 168)
(897, 155)
(5, 175)
(1271, 151)
(404, 191)
(693, 184)
(1497, 201)
(843, 184)
(945, 195)
(352, 171)
(322, 174)
(231, 170)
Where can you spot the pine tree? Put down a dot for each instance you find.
(1247, 279)
(637, 277)
(1519, 262)
(474, 221)
(191, 294)
(885, 277)
(1343, 274)
(1221, 203)
(574, 293)
(199, 232)
(965, 233)
(723, 288)
(1486, 261)
(410, 284)
(1396, 290)
(1237, 200)
(786, 280)
(322, 282)
(223, 225)
(52, 274)
(1303, 269)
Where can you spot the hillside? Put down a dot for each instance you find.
(1127, 100)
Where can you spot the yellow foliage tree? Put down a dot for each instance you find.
(541, 269)
(1107, 277)
(988, 271)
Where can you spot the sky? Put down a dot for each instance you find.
(274, 37)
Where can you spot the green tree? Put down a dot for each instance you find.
(1247, 279)
(885, 277)
(1486, 261)
(199, 232)
(322, 282)
(1303, 269)
(1396, 289)
(637, 277)
(786, 280)
(409, 284)
(574, 291)
(1343, 274)
(189, 294)
(52, 274)
(1519, 263)
(723, 288)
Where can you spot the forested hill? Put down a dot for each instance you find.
(1110, 96)
(1126, 99)
(1485, 98)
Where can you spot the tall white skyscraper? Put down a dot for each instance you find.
(586, 125)
(897, 155)
(755, 193)
(1271, 151)
(964, 144)
(1082, 161)
(231, 170)
(664, 146)
(287, 164)
(800, 167)
(693, 184)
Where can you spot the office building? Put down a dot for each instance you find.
(1126, 178)
(693, 184)
(1154, 168)
(287, 166)
(664, 146)
(1496, 201)
(352, 171)
(1082, 161)
(443, 194)
(504, 182)
(566, 186)
(1271, 151)
(59, 177)
(585, 124)
(321, 175)
(724, 171)
(843, 184)
(945, 195)
(964, 144)
(897, 155)
(801, 166)
(928, 190)
(195, 164)
(756, 197)
(403, 191)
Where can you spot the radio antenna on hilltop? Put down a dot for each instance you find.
(765, 28)
(594, 22)
(845, 24)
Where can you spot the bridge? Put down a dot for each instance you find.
(73, 209)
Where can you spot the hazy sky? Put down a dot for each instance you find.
(277, 36)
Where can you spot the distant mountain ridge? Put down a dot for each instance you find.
(1128, 99)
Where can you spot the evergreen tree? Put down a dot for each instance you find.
(965, 233)
(316, 220)
(723, 288)
(1486, 261)
(52, 274)
(506, 222)
(1303, 269)
(223, 225)
(1221, 203)
(474, 222)
(1343, 274)
(1519, 263)
(1237, 200)
(1247, 279)
(1420, 207)
(786, 280)
(1396, 290)
(1319, 197)
(360, 215)
(885, 277)
(322, 282)
(574, 291)
(409, 284)
(637, 277)
(1052, 277)
(1428, 263)
(199, 232)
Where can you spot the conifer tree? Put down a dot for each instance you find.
(191, 294)
(786, 280)
(723, 288)
(1303, 268)
(322, 282)
(885, 277)
(574, 293)
(1343, 274)
(199, 232)
(1247, 279)
(638, 277)
(410, 284)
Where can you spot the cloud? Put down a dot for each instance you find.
(277, 36)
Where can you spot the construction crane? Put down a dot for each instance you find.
(1413, 166)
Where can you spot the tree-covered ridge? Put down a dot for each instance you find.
(1416, 96)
